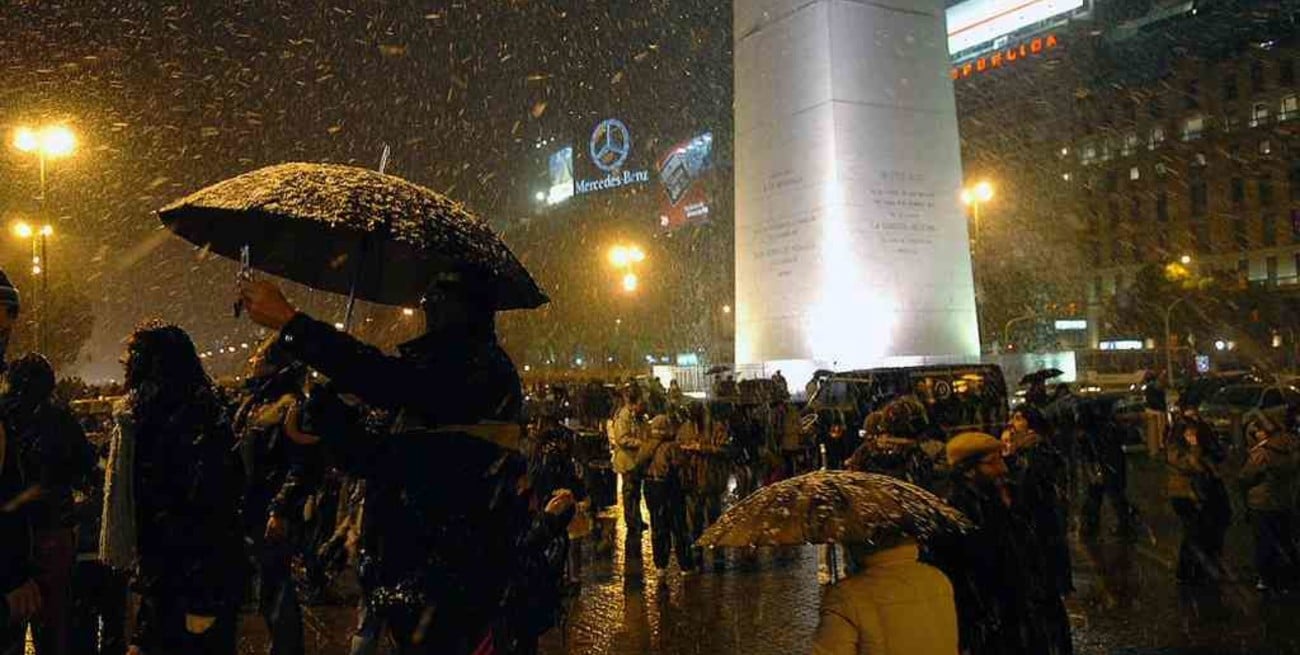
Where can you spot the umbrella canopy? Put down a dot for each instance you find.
(717, 370)
(1041, 375)
(346, 229)
(833, 507)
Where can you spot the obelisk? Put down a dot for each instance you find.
(851, 243)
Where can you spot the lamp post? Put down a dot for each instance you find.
(1169, 343)
(48, 142)
(40, 272)
(1006, 328)
(974, 196)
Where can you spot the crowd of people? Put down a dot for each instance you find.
(465, 504)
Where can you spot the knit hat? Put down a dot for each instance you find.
(8, 294)
(969, 446)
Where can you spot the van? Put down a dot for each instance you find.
(957, 398)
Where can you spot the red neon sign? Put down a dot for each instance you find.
(1005, 56)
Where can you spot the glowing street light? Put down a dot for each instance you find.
(623, 257)
(726, 309)
(407, 311)
(1185, 259)
(973, 196)
(49, 142)
(629, 282)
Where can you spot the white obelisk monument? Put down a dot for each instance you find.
(851, 242)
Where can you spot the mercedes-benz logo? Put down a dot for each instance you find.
(610, 144)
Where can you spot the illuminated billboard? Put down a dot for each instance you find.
(973, 22)
(561, 174)
(681, 174)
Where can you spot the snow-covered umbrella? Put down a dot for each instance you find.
(351, 230)
(833, 507)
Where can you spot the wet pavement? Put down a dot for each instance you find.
(1126, 601)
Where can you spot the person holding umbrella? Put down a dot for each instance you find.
(894, 604)
(441, 536)
(446, 513)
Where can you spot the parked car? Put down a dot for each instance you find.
(1225, 410)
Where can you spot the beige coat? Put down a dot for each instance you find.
(895, 606)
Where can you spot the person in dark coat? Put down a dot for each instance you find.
(1103, 468)
(1199, 497)
(22, 597)
(55, 457)
(1037, 473)
(443, 516)
(1007, 603)
(1269, 480)
(282, 468)
(171, 491)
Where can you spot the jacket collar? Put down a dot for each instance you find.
(907, 552)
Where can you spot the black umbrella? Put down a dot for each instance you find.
(1041, 375)
(351, 230)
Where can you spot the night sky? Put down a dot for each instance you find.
(167, 99)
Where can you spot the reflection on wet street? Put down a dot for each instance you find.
(767, 601)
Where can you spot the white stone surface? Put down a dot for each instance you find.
(851, 244)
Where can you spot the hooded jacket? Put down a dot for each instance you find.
(895, 606)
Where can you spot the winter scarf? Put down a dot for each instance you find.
(117, 536)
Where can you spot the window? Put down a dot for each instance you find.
(1198, 197)
(1239, 235)
(1111, 182)
(1157, 137)
(1192, 128)
(1272, 397)
(1265, 147)
(1230, 86)
(1269, 230)
(1087, 154)
(1134, 173)
(1191, 99)
(1162, 206)
(1201, 234)
(1265, 186)
(1130, 145)
(1293, 178)
(1286, 72)
(1288, 109)
(1135, 209)
(1258, 114)
(1256, 76)
(1237, 191)
(1231, 123)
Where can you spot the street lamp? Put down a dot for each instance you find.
(974, 196)
(623, 257)
(49, 142)
(1185, 259)
(1169, 340)
(40, 271)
